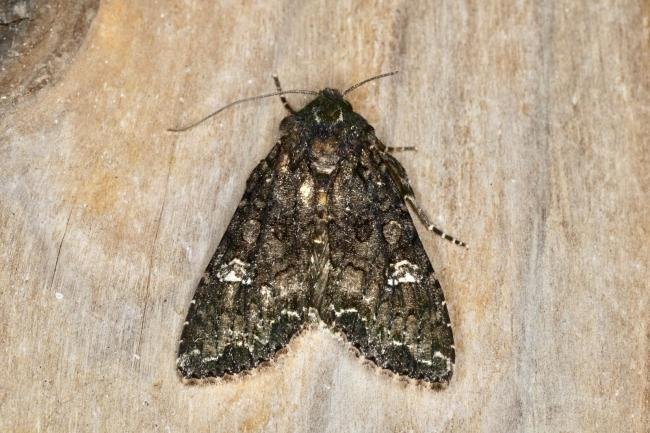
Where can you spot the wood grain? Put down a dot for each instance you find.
(531, 122)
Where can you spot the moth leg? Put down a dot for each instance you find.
(428, 224)
(401, 148)
(398, 173)
(282, 98)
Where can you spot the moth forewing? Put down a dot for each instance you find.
(323, 229)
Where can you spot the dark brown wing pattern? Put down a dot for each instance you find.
(322, 230)
(382, 292)
(251, 299)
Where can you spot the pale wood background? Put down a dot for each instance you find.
(531, 120)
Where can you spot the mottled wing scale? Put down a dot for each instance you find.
(250, 300)
(322, 230)
(382, 292)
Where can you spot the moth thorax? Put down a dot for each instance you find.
(324, 154)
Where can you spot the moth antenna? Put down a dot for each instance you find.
(376, 77)
(239, 101)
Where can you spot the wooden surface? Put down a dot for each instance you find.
(531, 122)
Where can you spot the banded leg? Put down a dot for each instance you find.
(401, 148)
(282, 98)
(398, 173)
(428, 224)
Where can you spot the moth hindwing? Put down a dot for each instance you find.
(323, 228)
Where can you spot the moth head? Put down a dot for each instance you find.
(329, 109)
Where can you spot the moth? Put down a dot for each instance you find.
(322, 233)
